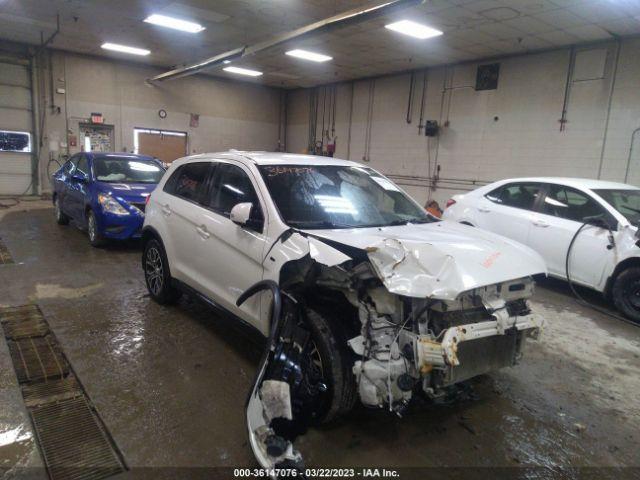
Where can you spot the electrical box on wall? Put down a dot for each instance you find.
(431, 128)
(487, 76)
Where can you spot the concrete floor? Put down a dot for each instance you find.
(170, 383)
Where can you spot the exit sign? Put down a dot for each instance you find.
(97, 118)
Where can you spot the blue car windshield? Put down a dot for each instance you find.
(113, 169)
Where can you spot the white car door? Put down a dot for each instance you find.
(561, 213)
(507, 210)
(230, 256)
(182, 210)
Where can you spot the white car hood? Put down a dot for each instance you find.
(436, 260)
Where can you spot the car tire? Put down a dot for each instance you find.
(626, 293)
(157, 275)
(61, 218)
(95, 238)
(334, 353)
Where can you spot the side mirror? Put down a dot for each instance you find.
(79, 177)
(241, 213)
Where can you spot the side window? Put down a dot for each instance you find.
(517, 195)
(230, 186)
(70, 166)
(565, 202)
(190, 181)
(170, 184)
(83, 165)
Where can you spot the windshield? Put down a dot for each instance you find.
(627, 202)
(330, 196)
(126, 170)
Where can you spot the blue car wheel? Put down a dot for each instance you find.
(95, 238)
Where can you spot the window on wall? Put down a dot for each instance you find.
(15, 141)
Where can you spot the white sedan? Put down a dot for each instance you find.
(546, 213)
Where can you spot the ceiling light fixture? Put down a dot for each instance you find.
(413, 29)
(125, 49)
(175, 23)
(242, 71)
(306, 55)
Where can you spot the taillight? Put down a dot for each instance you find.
(450, 202)
(146, 201)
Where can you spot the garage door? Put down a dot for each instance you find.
(164, 145)
(16, 136)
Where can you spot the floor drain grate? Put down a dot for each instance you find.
(37, 358)
(74, 442)
(25, 321)
(5, 256)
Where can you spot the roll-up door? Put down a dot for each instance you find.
(16, 128)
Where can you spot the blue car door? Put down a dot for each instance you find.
(77, 190)
(61, 181)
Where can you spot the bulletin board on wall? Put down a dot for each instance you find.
(96, 138)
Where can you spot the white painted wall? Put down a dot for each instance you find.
(524, 140)
(232, 114)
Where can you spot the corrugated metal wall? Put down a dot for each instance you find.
(15, 115)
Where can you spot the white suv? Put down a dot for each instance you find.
(370, 297)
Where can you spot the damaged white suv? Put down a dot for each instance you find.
(361, 293)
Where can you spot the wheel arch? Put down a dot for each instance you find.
(620, 267)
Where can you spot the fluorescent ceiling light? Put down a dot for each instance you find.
(226, 62)
(124, 49)
(242, 71)
(174, 23)
(413, 29)
(304, 54)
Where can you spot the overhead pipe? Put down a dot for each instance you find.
(350, 17)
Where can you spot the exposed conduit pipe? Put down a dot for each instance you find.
(350, 121)
(567, 87)
(611, 89)
(412, 81)
(367, 141)
(626, 172)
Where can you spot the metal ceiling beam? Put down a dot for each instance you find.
(350, 17)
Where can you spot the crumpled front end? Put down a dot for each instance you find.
(417, 318)
(411, 344)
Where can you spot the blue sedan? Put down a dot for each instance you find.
(105, 193)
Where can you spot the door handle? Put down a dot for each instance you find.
(484, 209)
(540, 223)
(202, 231)
(166, 210)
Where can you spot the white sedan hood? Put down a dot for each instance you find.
(438, 260)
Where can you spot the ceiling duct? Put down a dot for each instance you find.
(350, 17)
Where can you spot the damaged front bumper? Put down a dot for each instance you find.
(432, 354)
